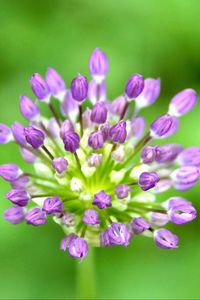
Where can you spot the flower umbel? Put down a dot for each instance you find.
(86, 175)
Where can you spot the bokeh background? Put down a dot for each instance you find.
(153, 37)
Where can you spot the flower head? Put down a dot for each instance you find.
(96, 168)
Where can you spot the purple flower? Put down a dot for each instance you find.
(149, 94)
(55, 82)
(60, 164)
(39, 86)
(71, 141)
(102, 200)
(182, 214)
(18, 133)
(36, 216)
(66, 241)
(165, 239)
(183, 102)
(148, 154)
(159, 219)
(118, 132)
(79, 88)
(167, 153)
(14, 214)
(162, 186)
(97, 91)
(34, 136)
(86, 118)
(104, 239)
(5, 134)
(99, 113)
(122, 191)
(185, 177)
(119, 234)
(98, 65)
(10, 172)
(91, 217)
(96, 139)
(53, 205)
(134, 86)
(175, 201)
(21, 182)
(137, 127)
(148, 180)
(189, 157)
(139, 225)
(19, 197)
(66, 126)
(94, 160)
(27, 155)
(28, 108)
(118, 105)
(164, 126)
(69, 106)
(105, 129)
(78, 248)
(68, 219)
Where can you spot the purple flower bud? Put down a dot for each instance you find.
(118, 105)
(119, 234)
(183, 102)
(86, 118)
(71, 141)
(102, 200)
(182, 214)
(98, 65)
(164, 126)
(55, 82)
(99, 113)
(79, 88)
(28, 108)
(165, 239)
(53, 205)
(167, 153)
(137, 127)
(66, 241)
(27, 155)
(91, 217)
(148, 180)
(185, 177)
(34, 136)
(5, 134)
(10, 172)
(149, 94)
(14, 214)
(18, 133)
(122, 191)
(96, 140)
(94, 160)
(118, 132)
(176, 201)
(68, 219)
(104, 239)
(78, 248)
(36, 216)
(39, 86)
(60, 164)
(134, 86)
(66, 126)
(148, 154)
(159, 219)
(105, 129)
(162, 186)
(54, 128)
(21, 182)
(69, 106)
(190, 157)
(97, 91)
(139, 225)
(19, 197)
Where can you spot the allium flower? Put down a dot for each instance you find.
(87, 176)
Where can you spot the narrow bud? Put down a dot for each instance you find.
(78, 248)
(19, 197)
(148, 154)
(102, 200)
(10, 172)
(69, 106)
(97, 91)
(118, 105)
(28, 108)
(5, 134)
(185, 177)
(134, 86)
(98, 65)
(71, 141)
(165, 239)
(14, 214)
(18, 133)
(60, 164)
(137, 127)
(55, 82)
(164, 126)
(189, 157)
(39, 86)
(66, 241)
(34, 136)
(94, 160)
(139, 225)
(27, 155)
(148, 180)
(149, 94)
(53, 205)
(36, 217)
(91, 217)
(122, 191)
(99, 113)
(182, 214)
(79, 88)
(96, 140)
(167, 153)
(119, 234)
(118, 132)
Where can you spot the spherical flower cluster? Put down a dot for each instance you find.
(86, 175)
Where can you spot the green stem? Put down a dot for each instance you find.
(86, 283)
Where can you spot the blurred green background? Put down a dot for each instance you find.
(153, 37)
